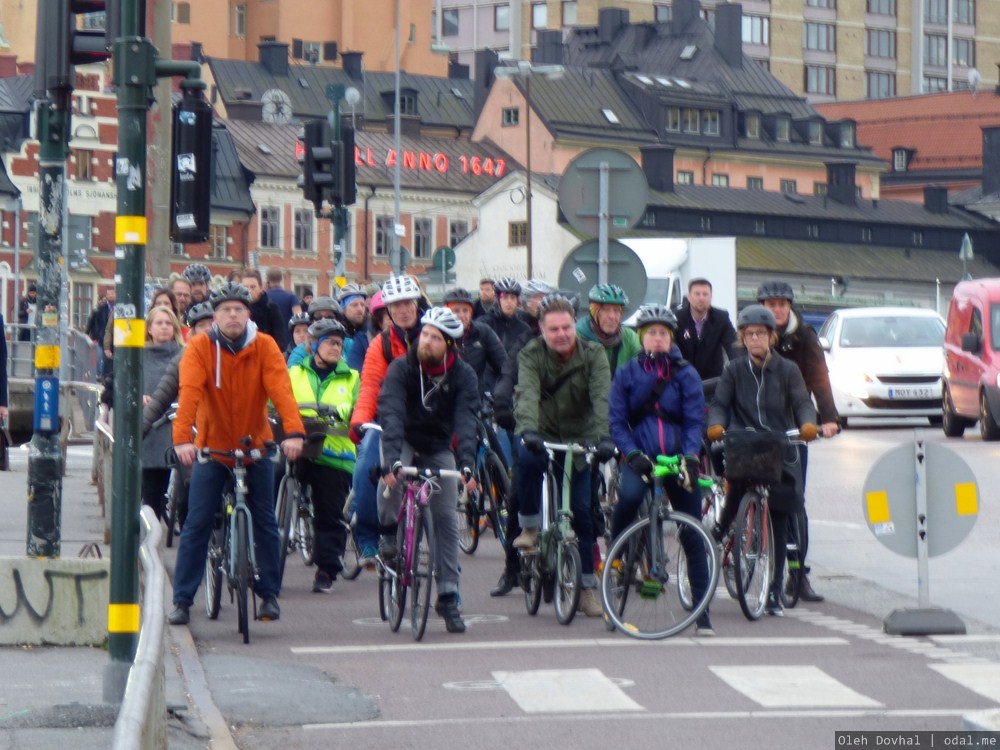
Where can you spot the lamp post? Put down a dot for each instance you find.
(525, 71)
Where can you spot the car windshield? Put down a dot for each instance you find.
(995, 327)
(891, 331)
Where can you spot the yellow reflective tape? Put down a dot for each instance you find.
(966, 503)
(130, 230)
(123, 618)
(47, 357)
(130, 332)
(878, 507)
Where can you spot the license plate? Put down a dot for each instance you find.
(897, 393)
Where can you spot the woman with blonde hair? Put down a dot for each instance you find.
(163, 342)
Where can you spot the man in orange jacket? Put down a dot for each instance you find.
(226, 379)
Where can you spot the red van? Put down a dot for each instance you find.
(971, 383)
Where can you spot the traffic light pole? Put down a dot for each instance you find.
(338, 214)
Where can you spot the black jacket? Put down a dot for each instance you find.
(716, 345)
(503, 389)
(97, 323)
(800, 343)
(427, 421)
(267, 316)
(508, 330)
(480, 347)
(164, 394)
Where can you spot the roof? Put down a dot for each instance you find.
(16, 93)
(230, 181)
(6, 186)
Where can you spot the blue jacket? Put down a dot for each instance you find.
(681, 420)
(355, 349)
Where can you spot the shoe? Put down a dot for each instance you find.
(703, 628)
(269, 611)
(589, 604)
(773, 606)
(447, 607)
(807, 593)
(368, 554)
(180, 616)
(507, 582)
(387, 548)
(527, 539)
(322, 583)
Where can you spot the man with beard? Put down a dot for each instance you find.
(198, 276)
(487, 298)
(429, 396)
(263, 312)
(354, 311)
(705, 334)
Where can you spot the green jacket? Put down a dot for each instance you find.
(626, 350)
(340, 391)
(567, 401)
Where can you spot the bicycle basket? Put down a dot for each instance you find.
(316, 432)
(754, 456)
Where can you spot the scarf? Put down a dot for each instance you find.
(607, 341)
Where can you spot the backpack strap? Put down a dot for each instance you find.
(386, 346)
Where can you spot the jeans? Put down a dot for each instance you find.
(365, 505)
(204, 499)
(529, 474)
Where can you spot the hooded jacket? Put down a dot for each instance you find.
(509, 330)
(479, 347)
(799, 343)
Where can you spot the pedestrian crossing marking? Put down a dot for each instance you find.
(983, 679)
(791, 686)
(564, 691)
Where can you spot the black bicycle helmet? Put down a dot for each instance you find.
(198, 312)
(298, 320)
(320, 329)
(507, 285)
(649, 314)
(756, 315)
(197, 273)
(323, 304)
(458, 295)
(775, 289)
(231, 291)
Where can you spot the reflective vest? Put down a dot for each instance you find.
(339, 391)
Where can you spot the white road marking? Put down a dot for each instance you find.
(775, 686)
(983, 679)
(959, 640)
(564, 691)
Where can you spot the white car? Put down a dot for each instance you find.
(884, 361)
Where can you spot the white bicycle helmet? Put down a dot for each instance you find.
(445, 321)
(400, 288)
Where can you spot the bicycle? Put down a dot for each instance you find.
(175, 496)
(645, 587)
(489, 501)
(553, 567)
(231, 551)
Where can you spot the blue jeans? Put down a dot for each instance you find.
(528, 477)
(204, 499)
(365, 505)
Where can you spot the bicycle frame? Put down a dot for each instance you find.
(549, 534)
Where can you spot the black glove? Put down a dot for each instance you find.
(605, 450)
(533, 441)
(640, 464)
(504, 418)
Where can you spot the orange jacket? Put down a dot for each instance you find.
(372, 375)
(225, 395)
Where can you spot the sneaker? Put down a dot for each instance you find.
(507, 582)
(807, 593)
(322, 583)
(703, 628)
(773, 606)
(368, 554)
(180, 616)
(387, 547)
(269, 611)
(527, 539)
(589, 604)
(447, 607)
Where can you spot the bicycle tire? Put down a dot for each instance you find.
(499, 491)
(468, 521)
(384, 593)
(241, 575)
(352, 555)
(306, 534)
(568, 581)
(422, 574)
(397, 594)
(283, 513)
(752, 557)
(729, 570)
(531, 578)
(791, 587)
(213, 573)
(172, 504)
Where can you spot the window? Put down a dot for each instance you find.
(752, 126)
(569, 13)
(384, 230)
(177, 248)
(936, 11)
(935, 50)
(819, 188)
(458, 230)
(880, 43)
(815, 133)
(517, 233)
(755, 183)
(510, 116)
(413, 33)
(879, 85)
(782, 129)
(759, 226)
(303, 221)
(822, 4)
(673, 119)
(866, 234)
(83, 165)
(692, 119)
(83, 303)
(539, 15)
(79, 241)
(789, 186)
(812, 231)
(180, 12)
(706, 223)
(449, 22)
(821, 80)
(501, 18)
(847, 135)
(935, 84)
(423, 238)
(882, 7)
(217, 240)
(820, 36)
(240, 20)
(899, 160)
(661, 13)
(708, 16)
(965, 12)
(685, 178)
(270, 226)
(918, 239)
(756, 30)
(407, 103)
(710, 122)
(312, 52)
(720, 180)
(964, 53)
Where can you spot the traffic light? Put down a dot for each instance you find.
(319, 163)
(70, 33)
(348, 188)
(191, 168)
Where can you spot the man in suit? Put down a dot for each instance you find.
(705, 334)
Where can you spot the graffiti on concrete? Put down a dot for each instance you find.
(40, 615)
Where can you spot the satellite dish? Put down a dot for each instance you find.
(974, 79)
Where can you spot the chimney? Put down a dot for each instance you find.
(483, 65)
(936, 199)
(197, 51)
(457, 70)
(352, 64)
(609, 22)
(273, 57)
(548, 47)
(8, 66)
(729, 33)
(840, 182)
(684, 12)
(991, 161)
(658, 166)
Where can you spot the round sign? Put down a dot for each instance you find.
(580, 192)
(578, 272)
(443, 256)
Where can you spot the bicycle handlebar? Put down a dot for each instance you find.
(571, 447)
(254, 454)
(428, 473)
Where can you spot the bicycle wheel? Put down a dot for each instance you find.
(352, 555)
(306, 533)
(213, 572)
(752, 555)
(421, 578)
(241, 574)
(468, 521)
(531, 581)
(684, 588)
(397, 588)
(173, 499)
(496, 487)
(384, 593)
(568, 583)
(284, 512)
(729, 569)
(792, 587)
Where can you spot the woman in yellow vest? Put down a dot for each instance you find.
(325, 379)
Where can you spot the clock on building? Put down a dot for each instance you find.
(276, 107)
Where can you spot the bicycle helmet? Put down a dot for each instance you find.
(775, 289)
(458, 295)
(375, 303)
(507, 285)
(537, 286)
(350, 290)
(298, 320)
(557, 298)
(323, 304)
(756, 315)
(198, 312)
(197, 273)
(608, 294)
(230, 291)
(649, 314)
(400, 288)
(445, 321)
(321, 329)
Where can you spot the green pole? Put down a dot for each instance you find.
(335, 93)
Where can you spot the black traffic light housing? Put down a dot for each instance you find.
(348, 189)
(63, 41)
(191, 168)
(319, 170)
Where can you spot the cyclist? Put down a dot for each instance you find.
(604, 325)
(353, 301)
(478, 345)
(429, 396)
(798, 342)
(198, 276)
(487, 297)
(226, 378)
(298, 332)
(326, 379)
(657, 406)
(562, 397)
(322, 308)
(533, 292)
(379, 315)
(502, 317)
(765, 392)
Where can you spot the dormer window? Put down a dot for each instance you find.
(847, 135)
(900, 159)
(815, 133)
(407, 101)
(782, 129)
(752, 125)
(673, 119)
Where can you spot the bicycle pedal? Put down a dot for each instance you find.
(650, 589)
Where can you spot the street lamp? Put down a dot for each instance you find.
(525, 71)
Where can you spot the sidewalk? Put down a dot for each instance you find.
(51, 697)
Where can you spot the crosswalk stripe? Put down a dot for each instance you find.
(983, 679)
(564, 691)
(799, 686)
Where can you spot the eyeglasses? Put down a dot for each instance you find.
(756, 334)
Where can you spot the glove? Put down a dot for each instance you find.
(605, 450)
(693, 465)
(354, 435)
(715, 432)
(533, 441)
(639, 463)
(809, 431)
(504, 418)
